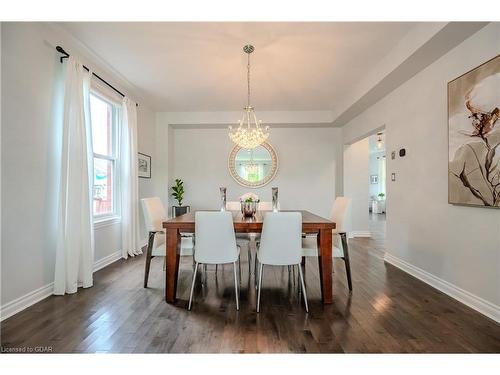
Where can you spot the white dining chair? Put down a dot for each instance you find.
(154, 215)
(339, 240)
(280, 245)
(215, 244)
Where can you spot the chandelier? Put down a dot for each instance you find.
(249, 133)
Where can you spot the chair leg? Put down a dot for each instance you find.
(261, 269)
(303, 288)
(148, 258)
(192, 285)
(236, 287)
(239, 268)
(256, 274)
(249, 260)
(346, 260)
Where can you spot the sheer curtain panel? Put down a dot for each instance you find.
(75, 242)
(129, 180)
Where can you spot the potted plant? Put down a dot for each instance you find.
(381, 196)
(178, 194)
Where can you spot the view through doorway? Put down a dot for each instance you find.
(377, 185)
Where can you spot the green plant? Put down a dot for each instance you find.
(178, 191)
(381, 195)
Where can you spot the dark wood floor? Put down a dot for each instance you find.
(389, 311)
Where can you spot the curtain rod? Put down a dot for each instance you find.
(66, 55)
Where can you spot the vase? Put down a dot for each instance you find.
(222, 198)
(248, 209)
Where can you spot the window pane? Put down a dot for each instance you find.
(103, 186)
(101, 117)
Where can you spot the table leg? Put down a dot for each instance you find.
(172, 272)
(325, 264)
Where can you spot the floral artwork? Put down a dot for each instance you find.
(474, 137)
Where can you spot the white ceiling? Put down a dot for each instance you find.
(201, 66)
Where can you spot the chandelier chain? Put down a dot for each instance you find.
(248, 79)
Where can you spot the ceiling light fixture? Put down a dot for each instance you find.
(379, 140)
(249, 133)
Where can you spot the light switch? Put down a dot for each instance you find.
(393, 176)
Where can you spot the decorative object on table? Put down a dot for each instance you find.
(275, 199)
(263, 163)
(249, 202)
(249, 133)
(222, 198)
(474, 137)
(374, 179)
(178, 194)
(144, 165)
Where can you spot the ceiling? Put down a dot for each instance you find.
(195, 67)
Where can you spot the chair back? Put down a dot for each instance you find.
(339, 213)
(281, 239)
(233, 206)
(154, 213)
(215, 238)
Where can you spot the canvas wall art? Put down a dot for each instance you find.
(474, 137)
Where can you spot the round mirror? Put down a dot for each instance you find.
(253, 168)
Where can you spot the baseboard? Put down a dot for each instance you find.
(29, 299)
(479, 304)
(359, 233)
(107, 260)
(21, 303)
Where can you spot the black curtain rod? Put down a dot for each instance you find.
(66, 55)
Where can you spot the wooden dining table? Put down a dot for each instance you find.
(310, 224)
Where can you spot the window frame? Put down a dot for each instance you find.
(115, 215)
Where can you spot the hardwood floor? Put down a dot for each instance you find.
(388, 312)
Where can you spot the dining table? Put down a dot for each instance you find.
(311, 224)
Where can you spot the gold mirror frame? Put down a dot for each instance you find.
(243, 182)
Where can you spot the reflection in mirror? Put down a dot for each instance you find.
(255, 167)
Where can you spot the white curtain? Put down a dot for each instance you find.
(129, 180)
(75, 242)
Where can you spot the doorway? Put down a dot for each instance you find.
(377, 184)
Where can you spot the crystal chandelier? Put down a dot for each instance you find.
(249, 133)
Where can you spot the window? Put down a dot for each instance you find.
(104, 119)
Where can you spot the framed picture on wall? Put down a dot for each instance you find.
(144, 165)
(374, 179)
(474, 137)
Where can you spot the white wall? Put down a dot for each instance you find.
(356, 187)
(457, 248)
(31, 79)
(307, 175)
